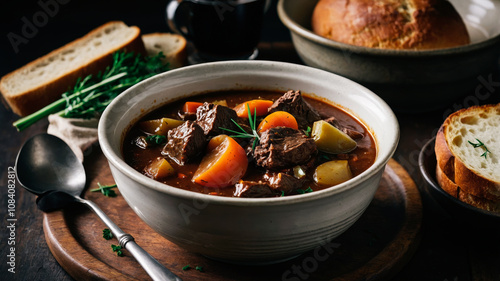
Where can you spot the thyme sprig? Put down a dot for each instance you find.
(91, 94)
(106, 190)
(252, 120)
(480, 144)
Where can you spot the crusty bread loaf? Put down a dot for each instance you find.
(390, 24)
(172, 45)
(42, 81)
(462, 162)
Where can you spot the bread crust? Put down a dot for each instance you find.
(475, 184)
(478, 202)
(444, 157)
(33, 99)
(456, 191)
(390, 24)
(446, 184)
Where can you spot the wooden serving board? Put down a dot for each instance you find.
(374, 248)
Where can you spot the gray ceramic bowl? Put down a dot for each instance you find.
(406, 79)
(463, 213)
(247, 230)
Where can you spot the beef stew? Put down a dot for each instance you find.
(282, 144)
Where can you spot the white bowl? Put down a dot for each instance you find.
(247, 230)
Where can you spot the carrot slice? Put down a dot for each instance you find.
(278, 119)
(260, 106)
(223, 165)
(215, 141)
(191, 106)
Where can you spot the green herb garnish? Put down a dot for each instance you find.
(324, 156)
(480, 144)
(107, 234)
(156, 139)
(301, 191)
(307, 132)
(252, 120)
(117, 250)
(106, 190)
(188, 267)
(90, 95)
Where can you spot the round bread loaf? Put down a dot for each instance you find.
(390, 24)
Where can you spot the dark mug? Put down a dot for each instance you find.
(219, 29)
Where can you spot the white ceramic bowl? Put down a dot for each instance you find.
(409, 80)
(247, 230)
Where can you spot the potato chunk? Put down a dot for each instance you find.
(332, 172)
(159, 169)
(159, 126)
(330, 139)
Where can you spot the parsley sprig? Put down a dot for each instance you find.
(480, 144)
(156, 139)
(117, 250)
(91, 95)
(302, 191)
(252, 120)
(188, 267)
(107, 234)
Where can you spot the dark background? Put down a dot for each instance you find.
(75, 18)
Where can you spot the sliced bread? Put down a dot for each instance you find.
(172, 45)
(468, 151)
(454, 190)
(42, 81)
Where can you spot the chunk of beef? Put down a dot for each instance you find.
(285, 183)
(212, 117)
(141, 142)
(293, 103)
(283, 147)
(186, 115)
(253, 189)
(184, 142)
(333, 121)
(351, 132)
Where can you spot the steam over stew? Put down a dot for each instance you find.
(249, 144)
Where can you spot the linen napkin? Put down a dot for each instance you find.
(78, 133)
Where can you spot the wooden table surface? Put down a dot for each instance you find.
(447, 251)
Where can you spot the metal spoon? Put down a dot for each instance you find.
(47, 167)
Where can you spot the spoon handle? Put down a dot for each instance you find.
(155, 269)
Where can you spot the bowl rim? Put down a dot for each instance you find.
(429, 178)
(116, 160)
(296, 28)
